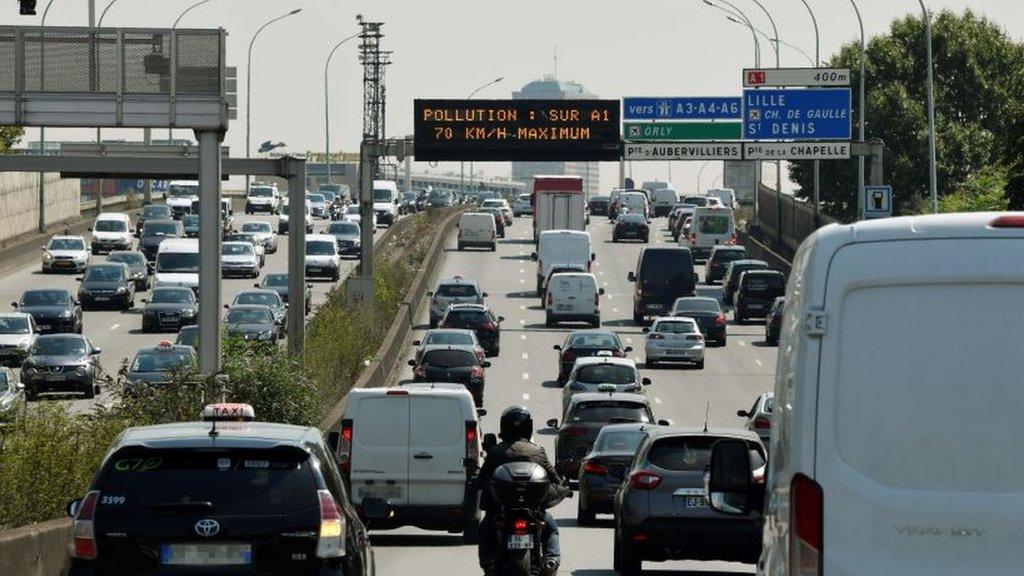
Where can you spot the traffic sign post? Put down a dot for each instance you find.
(682, 108)
(683, 151)
(797, 114)
(682, 130)
(796, 150)
(877, 202)
(805, 77)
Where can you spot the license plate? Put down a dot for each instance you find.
(382, 492)
(101, 298)
(43, 326)
(676, 352)
(563, 307)
(311, 269)
(696, 502)
(520, 542)
(62, 264)
(205, 554)
(54, 377)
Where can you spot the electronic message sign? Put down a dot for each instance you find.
(505, 130)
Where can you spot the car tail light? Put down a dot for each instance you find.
(575, 431)
(807, 520)
(331, 543)
(1008, 221)
(84, 529)
(568, 355)
(446, 324)
(520, 526)
(472, 446)
(550, 299)
(656, 337)
(477, 372)
(693, 238)
(591, 467)
(489, 326)
(695, 337)
(642, 480)
(720, 319)
(597, 299)
(420, 371)
(732, 241)
(762, 423)
(345, 450)
(618, 353)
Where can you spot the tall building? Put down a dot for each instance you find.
(550, 88)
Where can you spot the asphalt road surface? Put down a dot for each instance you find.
(525, 372)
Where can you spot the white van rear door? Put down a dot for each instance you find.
(437, 438)
(380, 449)
(919, 408)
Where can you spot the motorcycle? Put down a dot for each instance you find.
(523, 492)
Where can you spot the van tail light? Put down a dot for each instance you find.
(331, 543)
(345, 450)
(1008, 221)
(597, 300)
(720, 319)
(591, 467)
(550, 299)
(642, 480)
(807, 520)
(732, 241)
(574, 431)
(420, 371)
(762, 423)
(693, 238)
(489, 326)
(472, 445)
(84, 528)
(477, 372)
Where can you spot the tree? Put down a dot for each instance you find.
(9, 136)
(979, 76)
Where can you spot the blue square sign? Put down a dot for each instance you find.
(797, 114)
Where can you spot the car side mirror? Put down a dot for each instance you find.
(501, 319)
(631, 276)
(664, 422)
(593, 257)
(97, 351)
(557, 347)
(490, 441)
(645, 329)
(43, 248)
(227, 307)
(743, 414)
(553, 423)
(145, 299)
(730, 482)
(533, 256)
(430, 293)
(411, 363)
(485, 364)
(481, 412)
(14, 304)
(645, 381)
(256, 285)
(485, 295)
(333, 441)
(309, 285)
(627, 349)
(73, 507)
(417, 342)
(79, 279)
(600, 291)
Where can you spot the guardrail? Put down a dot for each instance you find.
(797, 217)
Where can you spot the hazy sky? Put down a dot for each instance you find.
(447, 48)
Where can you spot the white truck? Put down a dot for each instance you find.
(558, 204)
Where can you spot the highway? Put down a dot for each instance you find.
(524, 374)
(119, 334)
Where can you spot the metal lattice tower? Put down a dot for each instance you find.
(374, 63)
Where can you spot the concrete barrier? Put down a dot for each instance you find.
(36, 550)
(19, 202)
(761, 251)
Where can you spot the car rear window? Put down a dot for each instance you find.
(668, 327)
(666, 267)
(605, 374)
(690, 454)
(456, 290)
(449, 358)
(467, 317)
(609, 410)
(696, 305)
(455, 338)
(763, 283)
(208, 481)
(625, 441)
(714, 224)
(729, 255)
(594, 340)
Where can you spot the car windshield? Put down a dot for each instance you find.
(132, 259)
(161, 361)
(159, 229)
(456, 290)
(190, 221)
(346, 228)
(353, 209)
(449, 358)
(177, 262)
(14, 325)
(764, 283)
(696, 305)
(256, 227)
(258, 298)
(468, 317)
(601, 340)
(111, 226)
(316, 198)
(695, 201)
(670, 327)
(609, 410)
(46, 298)
(451, 338)
(154, 212)
(171, 296)
(438, 195)
(188, 336)
(605, 374)
(321, 248)
(249, 316)
(737, 269)
(67, 244)
(714, 224)
(276, 280)
(59, 347)
(279, 482)
(241, 237)
(104, 274)
(261, 192)
(183, 191)
(624, 441)
(381, 195)
(238, 249)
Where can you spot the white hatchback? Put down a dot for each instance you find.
(674, 339)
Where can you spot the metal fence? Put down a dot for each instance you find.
(797, 217)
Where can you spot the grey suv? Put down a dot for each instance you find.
(455, 290)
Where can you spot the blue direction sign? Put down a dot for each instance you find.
(684, 108)
(797, 114)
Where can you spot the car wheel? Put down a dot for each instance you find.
(548, 321)
(737, 317)
(615, 239)
(700, 364)
(89, 392)
(336, 276)
(638, 319)
(30, 395)
(584, 517)
(721, 343)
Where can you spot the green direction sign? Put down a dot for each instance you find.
(682, 130)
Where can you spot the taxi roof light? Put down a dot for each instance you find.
(229, 412)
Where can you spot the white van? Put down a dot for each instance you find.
(180, 196)
(635, 202)
(322, 257)
(726, 195)
(573, 297)
(896, 435)
(111, 231)
(662, 200)
(385, 201)
(177, 263)
(712, 226)
(567, 248)
(478, 230)
(410, 454)
(263, 198)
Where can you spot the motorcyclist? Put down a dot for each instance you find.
(515, 446)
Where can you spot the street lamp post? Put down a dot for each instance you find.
(700, 173)
(860, 133)
(327, 104)
(170, 130)
(248, 84)
(462, 165)
(932, 173)
(817, 163)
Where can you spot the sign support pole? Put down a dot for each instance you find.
(296, 315)
(209, 251)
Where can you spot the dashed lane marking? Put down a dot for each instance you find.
(657, 400)
(522, 336)
(522, 321)
(526, 356)
(115, 326)
(759, 363)
(526, 375)
(526, 396)
(742, 343)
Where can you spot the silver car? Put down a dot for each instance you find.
(674, 339)
(263, 232)
(448, 337)
(12, 393)
(65, 254)
(17, 334)
(457, 290)
(604, 468)
(759, 417)
(522, 206)
(589, 374)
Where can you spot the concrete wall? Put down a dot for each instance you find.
(36, 550)
(19, 202)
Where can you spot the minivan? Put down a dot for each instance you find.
(410, 455)
(663, 199)
(756, 291)
(634, 202)
(570, 248)
(478, 230)
(177, 263)
(895, 438)
(111, 231)
(661, 276)
(573, 297)
(712, 226)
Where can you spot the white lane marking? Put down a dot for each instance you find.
(759, 363)
(522, 307)
(526, 375)
(521, 271)
(522, 336)
(522, 320)
(526, 396)
(657, 400)
(526, 356)
(605, 282)
(115, 326)
(616, 310)
(600, 272)
(522, 280)
(629, 340)
(742, 343)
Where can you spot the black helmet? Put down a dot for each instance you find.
(516, 424)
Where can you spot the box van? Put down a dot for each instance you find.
(385, 201)
(263, 198)
(726, 195)
(322, 257)
(661, 276)
(569, 248)
(478, 230)
(712, 226)
(180, 196)
(573, 297)
(896, 438)
(558, 204)
(111, 231)
(635, 202)
(177, 263)
(410, 455)
(663, 200)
